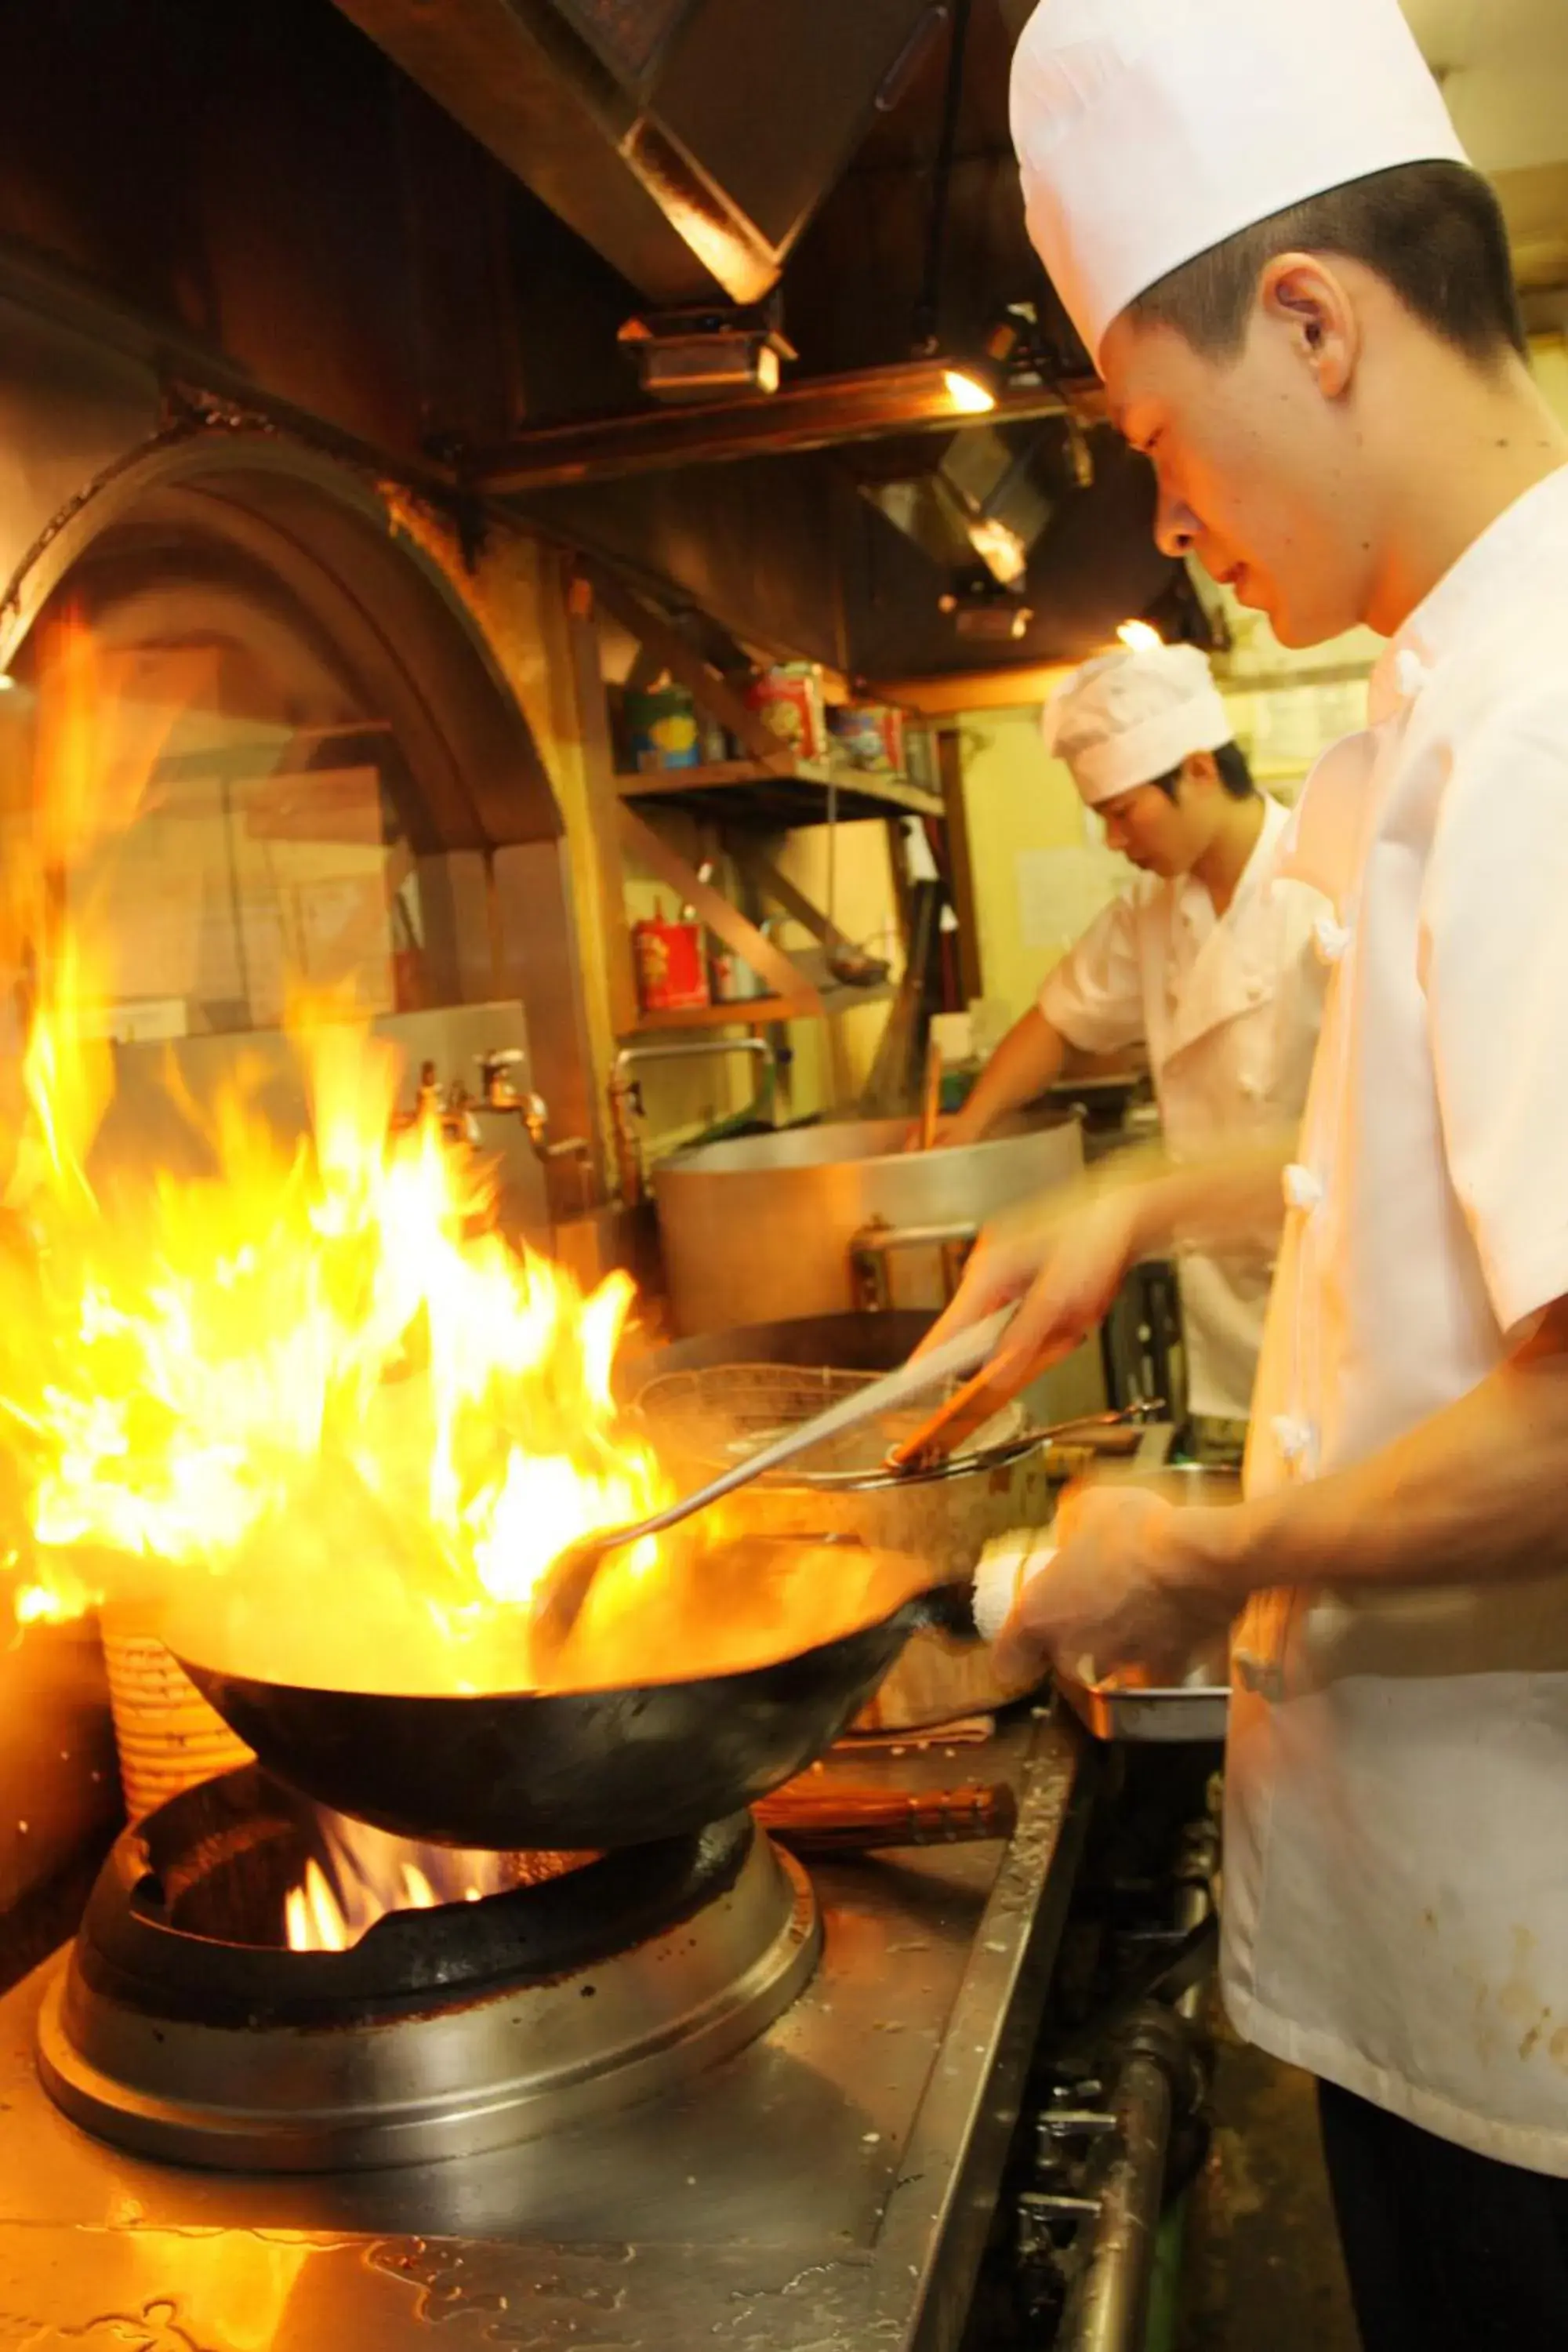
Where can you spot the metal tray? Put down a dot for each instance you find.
(1195, 1710)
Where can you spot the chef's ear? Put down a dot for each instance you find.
(1304, 295)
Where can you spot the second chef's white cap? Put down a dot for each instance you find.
(1149, 130)
(1127, 718)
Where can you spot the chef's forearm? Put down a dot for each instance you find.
(1205, 1202)
(1025, 1064)
(1472, 1495)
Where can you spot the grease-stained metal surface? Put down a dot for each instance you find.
(828, 2188)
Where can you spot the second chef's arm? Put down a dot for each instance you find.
(1030, 1056)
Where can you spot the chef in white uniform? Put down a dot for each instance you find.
(1298, 295)
(1206, 961)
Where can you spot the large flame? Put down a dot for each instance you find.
(311, 1383)
(301, 1396)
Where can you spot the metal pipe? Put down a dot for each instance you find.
(1108, 2308)
(623, 1090)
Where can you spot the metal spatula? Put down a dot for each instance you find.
(560, 1597)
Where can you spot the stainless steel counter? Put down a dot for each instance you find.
(829, 2186)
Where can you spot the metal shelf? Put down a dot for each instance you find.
(769, 798)
(755, 1012)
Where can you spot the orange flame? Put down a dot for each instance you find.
(305, 1401)
(316, 1374)
(365, 1873)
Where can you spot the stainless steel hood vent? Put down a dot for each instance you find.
(688, 141)
(988, 499)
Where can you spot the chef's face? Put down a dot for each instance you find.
(1162, 835)
(1258, 470)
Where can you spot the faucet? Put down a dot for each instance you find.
(454, 1111)
(446, 1108)
(499, 1091)
(625, 1098)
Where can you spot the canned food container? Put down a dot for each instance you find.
(662, 729)
(671, 969)
(734, 982)
(919, 756)
(870, 735)
(790, 703)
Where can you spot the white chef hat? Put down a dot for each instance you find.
(1129, 717)
(1149, 130)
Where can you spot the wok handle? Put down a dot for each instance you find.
(846, 1820)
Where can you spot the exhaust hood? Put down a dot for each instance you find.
(984, 501)
(688, 141)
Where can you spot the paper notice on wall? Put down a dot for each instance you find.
(1285, 729)
(1062, 891)
(1294, 725)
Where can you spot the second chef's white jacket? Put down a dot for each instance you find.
(1228, 1008)
(1396, 1837)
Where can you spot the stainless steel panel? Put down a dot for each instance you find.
(144, 1122)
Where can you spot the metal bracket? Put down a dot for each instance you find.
(876, 1244)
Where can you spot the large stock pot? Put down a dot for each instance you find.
(822, 1220)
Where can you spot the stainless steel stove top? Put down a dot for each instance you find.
(829, 2184)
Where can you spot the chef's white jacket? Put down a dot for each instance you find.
(1396, 1856)
(1228, 1008)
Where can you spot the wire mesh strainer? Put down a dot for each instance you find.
(718, 1415)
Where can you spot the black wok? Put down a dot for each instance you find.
(569, 1771)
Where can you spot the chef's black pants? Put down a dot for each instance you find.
(1447, 2251)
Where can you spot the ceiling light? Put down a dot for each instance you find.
(1003, 552)
(968, 395)
(1140, 637)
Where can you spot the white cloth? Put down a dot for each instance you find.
(1228, 1009)
(1396, 1884)
(1127, 717)
(1148, 130)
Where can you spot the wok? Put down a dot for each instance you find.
(570, 1770)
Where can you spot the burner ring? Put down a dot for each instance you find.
(186, 1918)
(308, 2079)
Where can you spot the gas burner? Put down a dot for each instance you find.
(183, 2027)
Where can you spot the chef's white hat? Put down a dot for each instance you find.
(1129, 717)
(1149, 130)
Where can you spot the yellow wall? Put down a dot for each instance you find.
(1286, 707)
(1550, 354)
(1020, 801)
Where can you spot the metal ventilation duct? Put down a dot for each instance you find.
(688, 141)
(988, 499)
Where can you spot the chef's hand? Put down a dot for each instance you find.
(952, 1129)
(1063, 1262)
(1134, 1582)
